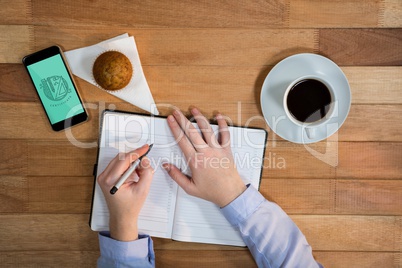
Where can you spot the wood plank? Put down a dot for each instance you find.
(193, 14)
(356, 160)
(37, 232)
(368, 46)
(60, 194)
(13, 159)
(372, 123)
(368, 160)
(250, 14)
(14, 197)
(358, 259)
(185, 258)
(174, 84)
(391, 13)
(15, 84)
(66, 232)
(329, 196)
(49, 259)
(369, 197)
(351, 233)
(47, 158)
(301, 196)
(369, 83)
(16, 41)
(236, 47)
(333, 14)
(15, 12)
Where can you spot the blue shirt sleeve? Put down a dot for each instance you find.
(137, 253)
(272, 237)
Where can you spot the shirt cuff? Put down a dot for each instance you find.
(124, 251)
(243, 206)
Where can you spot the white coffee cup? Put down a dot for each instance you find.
(314, 121)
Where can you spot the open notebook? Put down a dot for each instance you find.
(168, 211)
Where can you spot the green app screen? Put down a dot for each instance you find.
(55, 89)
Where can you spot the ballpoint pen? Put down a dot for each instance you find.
(128, 172)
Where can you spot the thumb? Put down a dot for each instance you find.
(181, 179)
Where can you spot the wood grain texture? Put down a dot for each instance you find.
(359, 259)
(368, 84)
(10, 15)
(332, 14)
(359, 233)
(10, 90)
(16, 41)
(369, 197)
(370, 160)
(48, 259)
(391, 14)
(71, 160)
(363, 124)
(355, 160)
(192, 13)
(69, 232)
(207, 259)
(46, 232)
(60, 194)
(330, 196)
(375, 47)
(13, 158)
(369, 47)
(15, 196)
(218, 46)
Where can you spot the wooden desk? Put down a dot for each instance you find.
(215, 56)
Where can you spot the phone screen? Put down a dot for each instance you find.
(55, 89)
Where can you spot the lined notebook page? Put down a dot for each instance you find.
(197, 220)
(123, 133)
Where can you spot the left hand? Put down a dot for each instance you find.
(125, 205)
(214, 174)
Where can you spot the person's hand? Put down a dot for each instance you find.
(125, 205)
(214, 175)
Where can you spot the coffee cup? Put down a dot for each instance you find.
(309, 102)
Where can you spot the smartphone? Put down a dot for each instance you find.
(55, 87)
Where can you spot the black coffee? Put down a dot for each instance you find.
(308, 100)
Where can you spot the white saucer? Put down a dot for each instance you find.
(279, 79)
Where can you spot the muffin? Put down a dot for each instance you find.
(112, 70)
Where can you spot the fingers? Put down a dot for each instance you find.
(205, 128)
(120, 164)
(137, 153)
(190, 131)
(224, 134)
(181, 179)
(184, 144)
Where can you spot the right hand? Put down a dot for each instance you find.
(214, 175)
(125, 205)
